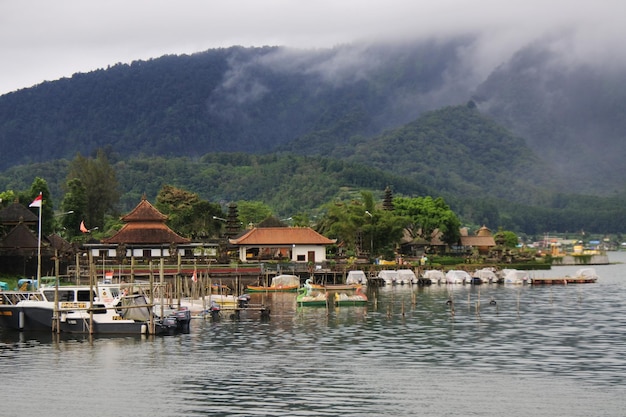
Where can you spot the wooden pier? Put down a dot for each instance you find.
(563, 280)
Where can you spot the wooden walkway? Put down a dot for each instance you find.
(562, 281)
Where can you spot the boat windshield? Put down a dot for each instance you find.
(72, 294)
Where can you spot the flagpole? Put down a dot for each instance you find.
(39, 246)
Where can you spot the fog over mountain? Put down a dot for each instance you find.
(559, 92)
(42, 40)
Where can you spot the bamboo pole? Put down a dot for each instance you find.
(92, 275)
(56, 322)
(77, 272)
(152, 322)
(161, 282)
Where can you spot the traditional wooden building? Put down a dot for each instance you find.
(483, 241)
(19, 242)
(145, 236)
(295, 244)
(16, 213)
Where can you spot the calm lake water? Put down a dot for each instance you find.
(539, 351)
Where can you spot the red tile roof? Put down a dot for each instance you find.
(282, 236)
(144, 212)
(145, 225)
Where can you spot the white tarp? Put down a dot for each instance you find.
(356, 277)
(457, 276)
(389, 276)
(285, 281)
(435, 275)
(586, 273)
(406, 276)
(514, 276)
(486, 275)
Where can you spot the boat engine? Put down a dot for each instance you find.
(214, 310)
(243, 300)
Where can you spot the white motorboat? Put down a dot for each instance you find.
(435, 276)
(515, 277)
(389, 276)
(406, 277)
(356, 277)
(78, 309)
(458, 276)
(486, 276)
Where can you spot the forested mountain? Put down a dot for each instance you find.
(230, 123)
(571, 113)
(235, 99)
(302, 185)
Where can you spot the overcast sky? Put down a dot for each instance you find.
(48, 39)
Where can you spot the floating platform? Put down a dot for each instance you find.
(563, 280)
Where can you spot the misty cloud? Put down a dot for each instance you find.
(42, 40)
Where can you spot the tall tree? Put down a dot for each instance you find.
(348, 223)
(74, 200)
(101, 186)
(253, 212)
(188, 214)
(427, 215)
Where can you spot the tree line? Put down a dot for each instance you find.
(100, 187)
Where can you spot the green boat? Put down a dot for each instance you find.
(308, 298)
(356, 299)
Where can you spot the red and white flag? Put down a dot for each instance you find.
(83, 228)
(194, 278)
(36, 202)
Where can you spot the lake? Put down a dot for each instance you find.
(506, 351)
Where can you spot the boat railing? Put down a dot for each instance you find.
(14, 297)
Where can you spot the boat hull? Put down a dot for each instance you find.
(350, 303)
(11, 317)
(312, 303)
(290, 288)
(35, 318)
(336, 287)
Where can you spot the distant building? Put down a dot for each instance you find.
(295, 244)
(483, 241)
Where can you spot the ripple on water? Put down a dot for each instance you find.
(536, 351)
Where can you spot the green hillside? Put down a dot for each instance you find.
(297, 129)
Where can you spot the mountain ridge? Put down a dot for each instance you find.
(415, 111)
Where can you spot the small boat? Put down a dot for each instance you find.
(388, 276)
(356, 299)
(435, 276)
(199, 306)
(356, 277)
(585, 275)
(78, 309)
(336, 287)
(515, 277)
(309, 297)
(485, 276)
(406, 277)
(458, 276)
(280, 283)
